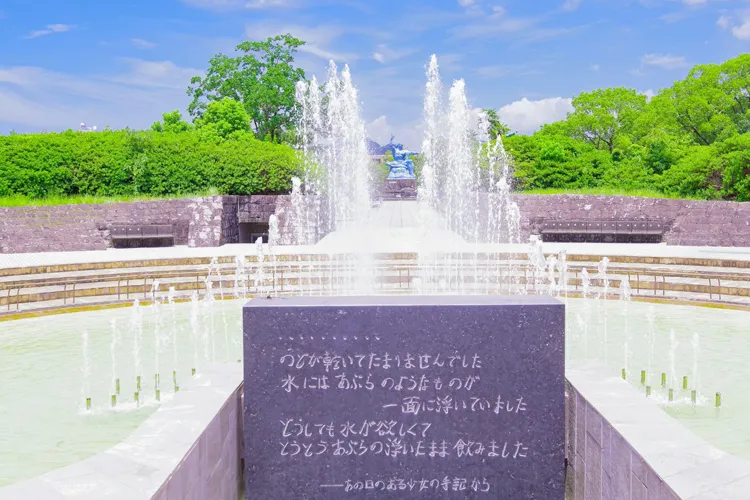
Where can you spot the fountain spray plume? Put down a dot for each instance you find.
(336, 163)
(86, 368)
(585, 282)
(673, 343)
(602, 268)
(464, 165)
(626, 292)
(240, 283)
(696, 350)
(332, 140)
(432, 143)
(136, 326)
(113, 354)
(259, 270)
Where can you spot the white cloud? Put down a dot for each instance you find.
(526, 116)
(675, 17)
(318, 39)
(742, 31)
(595, 67)
(19, 111)
(466, 3)
(140, 43)
(380, 131)
(34, 98)
(740, 28)
(450, 62)
(50, 29)
(519, 30)
(665, 61)
(498, 11)
(649, 93)
(505, 26)
(384, 54)
(164, 74)
(571, 5)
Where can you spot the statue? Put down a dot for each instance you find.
(402, 167)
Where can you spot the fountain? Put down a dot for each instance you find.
(463, 213)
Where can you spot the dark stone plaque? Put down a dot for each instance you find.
(404, 397)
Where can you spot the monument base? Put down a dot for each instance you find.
(399, 189)
(413, 397)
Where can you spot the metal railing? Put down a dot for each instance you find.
(336, 276)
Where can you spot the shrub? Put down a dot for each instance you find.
(125, 162)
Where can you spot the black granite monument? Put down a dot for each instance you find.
(404, 397)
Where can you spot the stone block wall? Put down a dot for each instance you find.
(212, 468)
(258, 208)
(87, 227)
(393, 189)
(601, 464)
(693, 223)
(214, 220)
(198, 222)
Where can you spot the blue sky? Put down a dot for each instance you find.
(124, 63)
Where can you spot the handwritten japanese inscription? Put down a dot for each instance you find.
(409, 397)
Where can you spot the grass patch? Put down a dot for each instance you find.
(25, 201)
(605, 191)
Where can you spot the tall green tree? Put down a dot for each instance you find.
(602, 116)
(171, 122)
(735, 82)
(223, 118)
(263, 78)
(496, 127)
(708, 105)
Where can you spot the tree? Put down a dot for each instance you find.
(698, 106)
(544, 161)
(496, 127)
(735, 82)
(263, 79)
(171, 122)
(599, 117)
(222, 119)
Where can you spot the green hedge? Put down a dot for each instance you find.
(718, 171)
(116, 163)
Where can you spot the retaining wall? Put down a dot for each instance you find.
(212, 467)
(693, 223)
(198, 222)
(622, 446)
(214, 220)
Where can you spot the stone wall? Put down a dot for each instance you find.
(601, 463)
(213, 221)
(691, 223)
(86, 227)
(620, 445)
(197, 222)
(212, 468)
